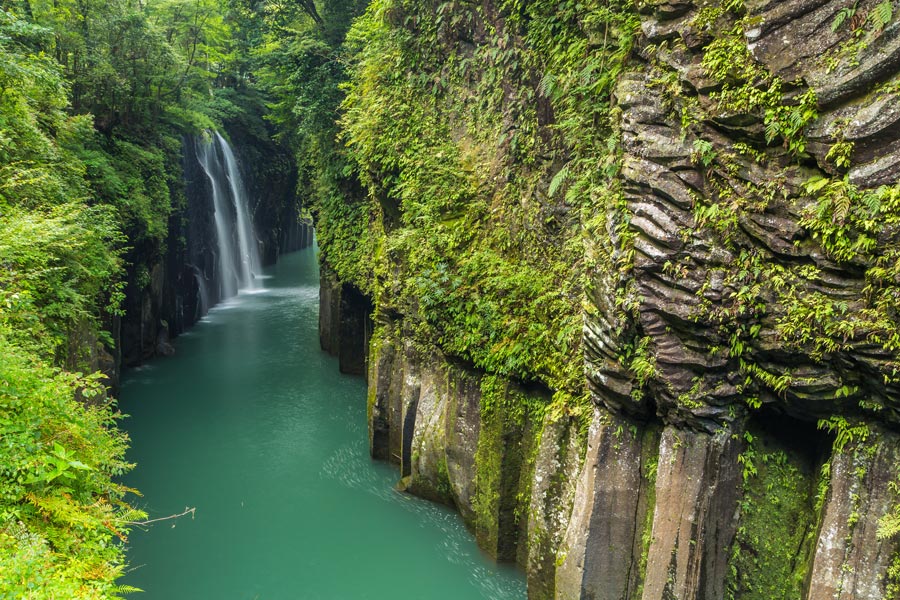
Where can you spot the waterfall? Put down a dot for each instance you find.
(206, 154)
(247, 244)
(238, 257)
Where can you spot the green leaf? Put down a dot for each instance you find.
(558, 180)
(881, 15)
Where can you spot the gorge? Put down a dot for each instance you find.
(709, 188)
(622, 278)
(253, 425)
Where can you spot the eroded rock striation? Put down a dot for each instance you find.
(740, 324)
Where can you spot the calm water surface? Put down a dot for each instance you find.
(253, 425)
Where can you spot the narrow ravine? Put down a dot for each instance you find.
(253, 425)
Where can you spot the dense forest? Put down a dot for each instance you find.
(656, 244)
(95, 100)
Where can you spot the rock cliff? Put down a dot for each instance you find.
(728, 172)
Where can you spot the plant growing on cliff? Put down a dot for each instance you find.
(772, 542)
(493, 270)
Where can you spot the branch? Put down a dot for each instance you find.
(309, 7)
(186, 511)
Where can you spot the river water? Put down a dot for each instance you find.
(252, 424)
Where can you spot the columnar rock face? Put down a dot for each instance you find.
(603, 552)
(850, 561)
(512, 478)
(740, 330)
(701, 283)
(345, 323)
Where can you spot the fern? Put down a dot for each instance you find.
(889, 524)
(773, 127)
(844, 431)
(547, 85)
(841, 207)
(843, 16)
(881, 15)
(872, 202)
(704, 152)
(558, 180)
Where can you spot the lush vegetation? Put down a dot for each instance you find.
(461, 161)
(481, 152)
(59, 509)
(94, 99)
(466, 174)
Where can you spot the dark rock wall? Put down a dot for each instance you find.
(185, 281)
(345, 323)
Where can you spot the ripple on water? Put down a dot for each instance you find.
(251, 423)
(347, 466)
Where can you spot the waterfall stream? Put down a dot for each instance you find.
(238, 255)
(247, 245)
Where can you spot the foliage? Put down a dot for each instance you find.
(776, 520)
(60, 511)
(57, 273)
(93, 99)
(459, 228)
(60, 265)
(298, 62)
(59, 256)
(850, 224)
(748, 87)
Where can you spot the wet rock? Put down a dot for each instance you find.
(386, 380)
(355, 330)
(850, 560)
(601, 554)
(463, 423)
(697, 492)
(164, 346)
(556, 469)
(329, 312)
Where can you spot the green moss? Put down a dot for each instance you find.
(375, 346)
(770, 555)
(450, 228)
(438, 489)
(530, 444)
(488, 481)
(444, 488)
(504, 464)
(649, 466)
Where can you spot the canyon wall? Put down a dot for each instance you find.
(726, 173)
(179, 286)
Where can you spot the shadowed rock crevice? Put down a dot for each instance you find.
(345, 323)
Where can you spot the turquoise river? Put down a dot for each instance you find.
(251, 424)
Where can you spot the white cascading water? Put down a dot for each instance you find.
(238, 266)
(206, 154)
(247, 244)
